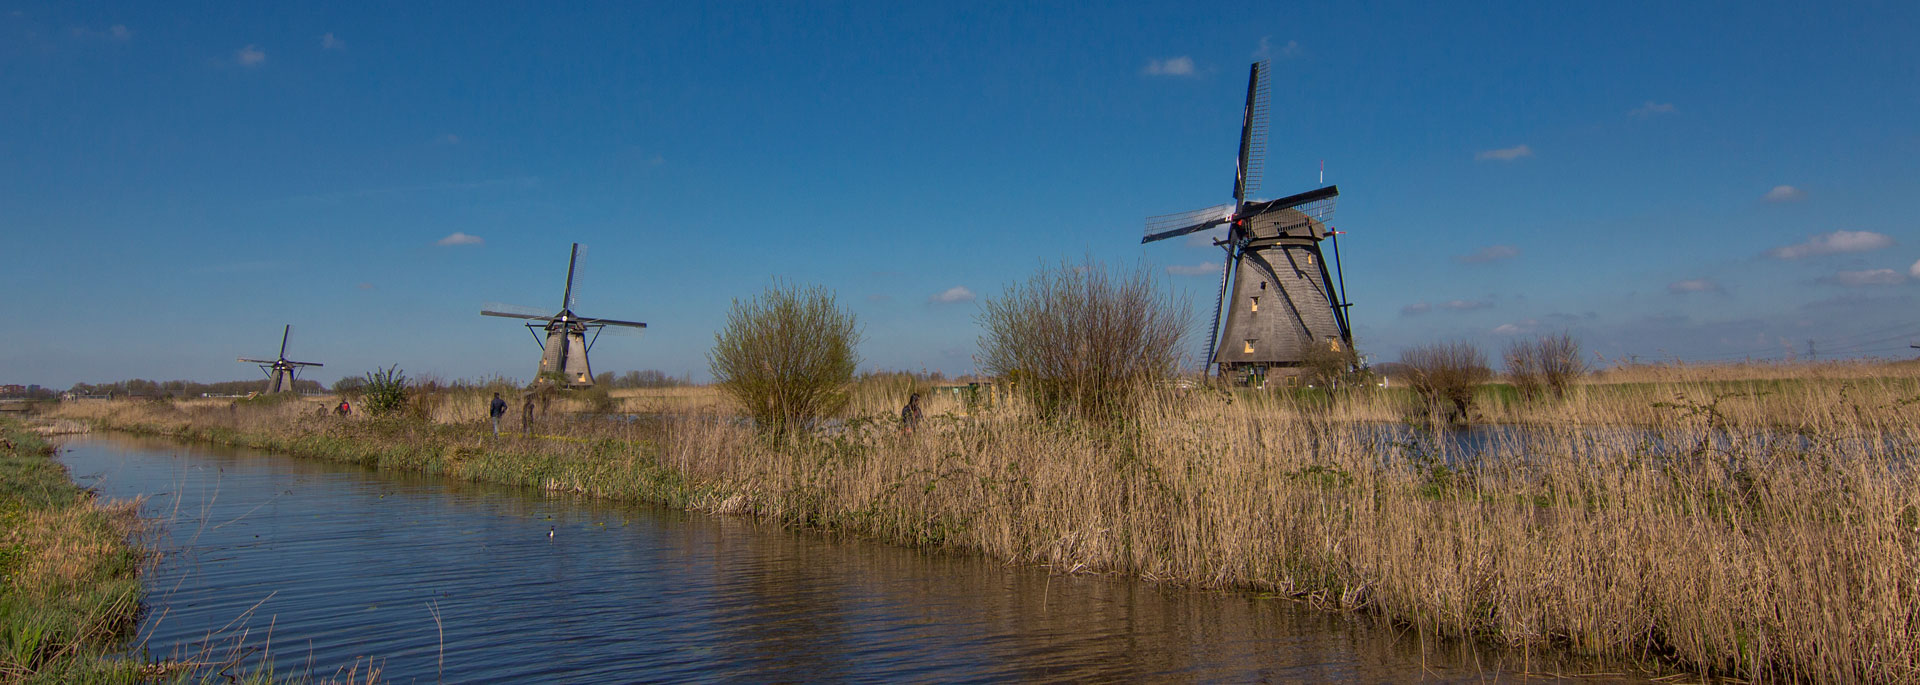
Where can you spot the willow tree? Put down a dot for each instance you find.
(787, 357)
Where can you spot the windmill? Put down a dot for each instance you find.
(565, 346)
(1284, 301)
(281, 374)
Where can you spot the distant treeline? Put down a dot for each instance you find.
(140, 387)
(640, 379)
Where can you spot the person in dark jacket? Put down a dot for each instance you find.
(497, 409)
(910, 414)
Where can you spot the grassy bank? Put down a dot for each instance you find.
(1755, 534)
(69, 595)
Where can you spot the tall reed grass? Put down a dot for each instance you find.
(1715, 525)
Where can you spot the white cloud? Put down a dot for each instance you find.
(250, 56)
(1833, 243)
(1865, 278)
(1505, 154)
(951, 295)
(1521, 328)
(1416, 309)
(458, 238)
(119, 32)
(329, 42)
(1651, 108)
(1171, 66)
(1697, 285)
(1490, 253)
(1201, 269)
(1914, 270)
(1785, 194)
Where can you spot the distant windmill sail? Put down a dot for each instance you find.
(565, 338)
(281, 373)
(1284, 299)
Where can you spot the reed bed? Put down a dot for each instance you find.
(1759, 532)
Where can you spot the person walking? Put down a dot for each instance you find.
(910, 414)
(497, 409)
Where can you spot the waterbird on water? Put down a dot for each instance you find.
(549, 532)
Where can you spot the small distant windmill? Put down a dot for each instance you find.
(565, 346)
(1284, 300)
(281, 374)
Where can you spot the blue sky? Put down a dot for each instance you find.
(1700, 181)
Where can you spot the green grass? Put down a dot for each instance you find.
(69, 591)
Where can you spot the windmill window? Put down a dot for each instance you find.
(1263, 285)
(1309, 259)
(1254, 305)
(1249, 348)
(1333, 345)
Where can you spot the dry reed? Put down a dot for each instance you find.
(1721, 526)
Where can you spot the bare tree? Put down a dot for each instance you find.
(1083, 340)
(1445, 375)
(1550, 364)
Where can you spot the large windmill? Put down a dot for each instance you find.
(1284, 301)
(281, 374)
(565, 346)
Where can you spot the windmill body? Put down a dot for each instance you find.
(1279, 297)
(1283, 303)
(281, 372)
(565, 337)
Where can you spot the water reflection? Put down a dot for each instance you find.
(339, 562)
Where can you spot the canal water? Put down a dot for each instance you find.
(435, 580)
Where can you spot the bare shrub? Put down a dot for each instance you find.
(1324, 366)
(787, 357)
(1083, 340)
(1550, 364)
(1445, 375)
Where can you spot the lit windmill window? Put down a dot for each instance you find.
(1309, 259)
(1254, 304)
(1249, 348)
(1334, 345)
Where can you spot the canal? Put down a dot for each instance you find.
(432, 579)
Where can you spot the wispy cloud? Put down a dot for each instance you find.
(1522, 327)
(1201, 269)
(1423, 307)
(951, 295)
(365, 286)
(458, 238)
(1865, 278)
(1785, 194)
(1651, 108)
(1697, 285)
(330, 42)
(1171, 66)
(520, 182)
(1267, 49)
(1833, 243)
(1490, 253)
(250, 56)
(1505, 154)
(114, 32)
(448, 139)
(879, 297)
